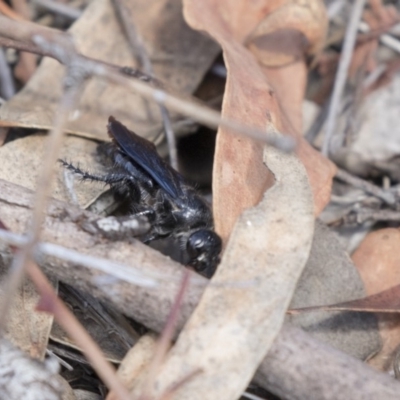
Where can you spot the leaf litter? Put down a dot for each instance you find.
(264, 201)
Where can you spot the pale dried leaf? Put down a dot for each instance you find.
(134, 368)
(21, 160)
(233, 327)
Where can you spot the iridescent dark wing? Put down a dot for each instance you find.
(144, 154)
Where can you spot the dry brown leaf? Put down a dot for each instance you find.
(240, 178)
(291, 29)
(233, 326)
(387, 301)
(378, 261)
(180, 56)
(21, 161)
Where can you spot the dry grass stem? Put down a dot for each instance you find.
(341, 75)
(166, 337)
(370, 188)
(139, 52)
(51, 303)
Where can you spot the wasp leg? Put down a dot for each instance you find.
(121, 182)
(110, 179)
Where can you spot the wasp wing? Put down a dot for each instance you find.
(144, 154)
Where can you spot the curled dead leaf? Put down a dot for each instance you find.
(241, 312)
(269, 100)
(294, 29)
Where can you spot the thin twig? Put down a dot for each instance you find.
(59, 8)
(51, 303)
(170, 391)
(198, 112)
(134, 38)
(19, 45)
(166, 337)
(318, 122)
(368, 187)
(111, 268)
(20, 262)
(170, 135)
(341, 75)
(60, 47)
(27, 62)
(7, 88)
(114, 270)
(138, 48)
(364, 215)
(385, 38)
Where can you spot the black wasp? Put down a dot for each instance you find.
(154, 189)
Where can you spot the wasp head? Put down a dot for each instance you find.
(203, 247)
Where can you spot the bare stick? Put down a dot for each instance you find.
(198, 112)
(139, 52)
(59, 46)
(134, 39)
(373, 215)
(43, 189)
(370, 188)
(385, 38)
(51, 303)
(296, 366)
(341, 75)
(166, 337)
(7, 88)
(59, 8)
(18, 45)
(299, 367)
(113, 269)
(170, 135)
